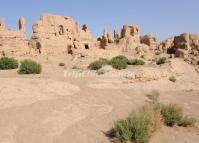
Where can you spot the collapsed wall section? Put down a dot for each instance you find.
(13, 42)
(59, 34)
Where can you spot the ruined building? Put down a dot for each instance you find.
(187, 47)
(149, 40)
(61, 35)
(13, 42)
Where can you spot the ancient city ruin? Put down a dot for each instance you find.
(63, 85)
(54, 35)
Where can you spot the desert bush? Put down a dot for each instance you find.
(104, 61)
(8, 63)
(171, 114)
(135, 62)
(186, 121)
(198, 63)
(96, 65)
(139, 126)
(120, 57)
(172, 79)
(123, 130)
(143, 122)
(29, 67)
(161, 61)
(119, 62)
(61, 64)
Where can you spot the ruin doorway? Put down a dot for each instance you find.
(86, 46)
(38, 46)
(69, 48)
(60, 30)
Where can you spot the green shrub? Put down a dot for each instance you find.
(186, 121)
(119, 62)
(61, 64)
(30, 67)
(141, 130)
(120, 57)
(123, 130)
(139, 126)
(104, 61)
(161, 61)
(135, 62)
(143, 122)
(172, 79)
(8, 63)
(96, 65)
(171, 114)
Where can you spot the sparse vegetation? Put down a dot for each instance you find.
(161, 61)
(30, 67)
(135, 62)
(187, 121)
(143, 122)
(8, 63)
(172, 79)
(139, 126)
(61, 64)
(104, 61)
(119, 62)
(171, 114)
(96, 65)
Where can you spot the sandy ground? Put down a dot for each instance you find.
(51, 108)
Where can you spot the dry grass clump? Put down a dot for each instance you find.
(139, 126)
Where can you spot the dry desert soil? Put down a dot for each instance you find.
(53, 108)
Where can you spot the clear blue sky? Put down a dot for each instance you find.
(162, 18)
